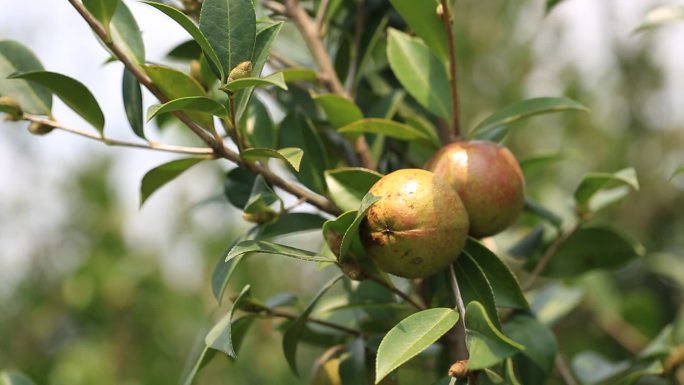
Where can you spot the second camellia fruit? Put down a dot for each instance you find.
(418, 227)
(488, 179)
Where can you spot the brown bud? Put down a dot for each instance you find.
(459, 369)
(39, 128)
(242, 70)
(11, 107)
(440, 10)
(196, 71)
(352, 270)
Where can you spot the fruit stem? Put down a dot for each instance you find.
(447, 18)
(461, 347)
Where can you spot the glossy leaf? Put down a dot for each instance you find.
(290, 223)
(176, 85)
(410, 337)
(264, 247)
(534, 364)
(10, 377)
(230, 28)
(276, 79)
(257, 126)
(262, 45)
(528, 246)
(661, 15)
(299, 74)
(341, 111)
(291, 155)
(353, 364)
(190, 27)
(541, 160)
(592, 248)
(72, 92)
(190, 103)
(523, 110)
(507, 292)
(475, 287)
(126, 33)
(224, 270)
(486, 344)
(294, 331)
(421, 73)
(238, 186)
(220, 336)
(423, 19)
(352, 232)
(384, 127)
(102, 10)
(261, 197)
(187, 50)
(161, 175)
(15, 57)
(133, 103)
(297, 131)
(554, 301)
(349, 185)
(588, 194)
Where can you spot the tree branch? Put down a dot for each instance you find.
(206, 151)
(564, 371)
(544, 260)
(447, 18)
(219, 149)
(342, 328)
(461, 347)
(310, 33)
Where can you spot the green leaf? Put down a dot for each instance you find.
(507, 292)
(299, 74)
(410, 337)
(348, 185)
(553, 302)
(276, 79)
(592, 248)
(535, 208)
(294, 331)
(161, 175)
(230, 28)
(176, 85)
(187, 50)
(661, 15)
(352, 232)
(522, 110)
(252, 246)
(421, 73)
(290, 223)
(596, 190)
(423, 19)
(257, 126)
(197, 35)
(526, 247)
(341, 111)
(384, 127)
(238, 186)
(9, 377)
(550, 4)
(677, 171)
(133, 103)
(220, 336)
(353, 364)
(475, 287)
(10, 107)
(126, 33)
(261, 197)
(224, 270)
(32, 98)
(103, 10)
(264, 39)
(72, 92)
(486, 344)
(291, 155)
(534, 364)
(190, 103)
(541, 160)
(297, 131)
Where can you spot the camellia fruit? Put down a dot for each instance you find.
(418, 227)
(488, 179)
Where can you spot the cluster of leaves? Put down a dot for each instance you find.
(396, 99)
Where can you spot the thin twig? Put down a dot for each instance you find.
(564, 371)
(206, 151)
(550, 252)
(219, 149)
(282, 314)
(395, 290)
(461, 347)
(617, 328)
(309, 32)
(358, 33)
(275, 7)
(447, 18)
(322, 9)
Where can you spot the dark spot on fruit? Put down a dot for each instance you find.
(416, 261)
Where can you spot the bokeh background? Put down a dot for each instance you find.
(95, 290)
